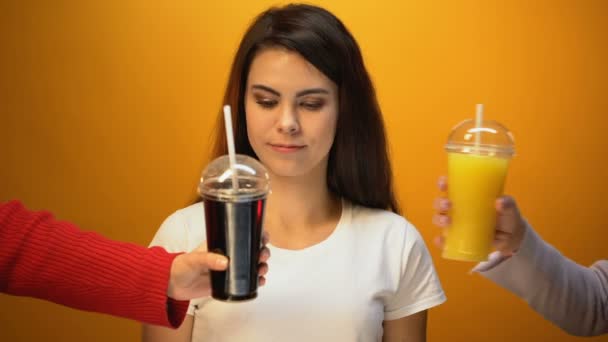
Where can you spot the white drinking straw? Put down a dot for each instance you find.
(478, 121)
(230, 141)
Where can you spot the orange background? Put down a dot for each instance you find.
(107, 108)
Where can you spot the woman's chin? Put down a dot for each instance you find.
(294, 167)
(287, 172)
(286, 169)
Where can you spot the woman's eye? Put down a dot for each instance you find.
(265, 103)
(312, 105)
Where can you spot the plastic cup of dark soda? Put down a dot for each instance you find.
(234, 197)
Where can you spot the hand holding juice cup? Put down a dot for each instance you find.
(479, 152)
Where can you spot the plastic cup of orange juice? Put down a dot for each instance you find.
(479, 152)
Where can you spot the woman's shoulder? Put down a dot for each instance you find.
(378, 218)
(386, 225)
(193, 210)
(187, 214)
(389, 232)
(183, 229)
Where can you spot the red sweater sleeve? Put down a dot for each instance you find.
(54, 260)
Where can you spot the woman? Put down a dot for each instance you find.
(344, 267)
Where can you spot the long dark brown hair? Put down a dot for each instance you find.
(358, 167)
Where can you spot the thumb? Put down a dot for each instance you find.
(506, 205)
(211, 261)
(508, 217)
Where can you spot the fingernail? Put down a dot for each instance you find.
(222, 262)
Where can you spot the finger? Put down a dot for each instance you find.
(264, 254)
(262, 281)
(265, 238)
(505, 203)
(442, 204)
(500, 235)
(442, 221)
(442, 183)
(439, 241)
(437, 203)
(262, 269)
(436, 220)
(499, 241)
(503, 247)
(212, 261)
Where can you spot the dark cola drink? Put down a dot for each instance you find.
(234, 195)
(234, 229)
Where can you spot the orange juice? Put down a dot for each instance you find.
(475, 182)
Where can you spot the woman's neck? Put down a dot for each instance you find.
(300, 211)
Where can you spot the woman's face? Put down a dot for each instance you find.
(291, 111)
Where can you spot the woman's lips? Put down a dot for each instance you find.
(286, 148)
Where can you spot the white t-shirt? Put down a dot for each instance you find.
(373, 267)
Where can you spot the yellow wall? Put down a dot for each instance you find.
(107, 106)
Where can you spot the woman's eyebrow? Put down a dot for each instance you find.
(265, 88)
(312, 91)
(298, 94)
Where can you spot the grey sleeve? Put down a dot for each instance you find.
(572, 296)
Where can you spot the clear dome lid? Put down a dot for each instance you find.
(489, 138)
(250, 175)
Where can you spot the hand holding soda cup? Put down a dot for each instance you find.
(189, 277)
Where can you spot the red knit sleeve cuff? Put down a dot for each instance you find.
(170, 312)
(176, 311)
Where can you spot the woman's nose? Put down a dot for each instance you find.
(288, 122)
